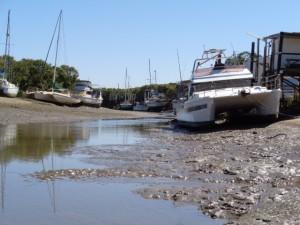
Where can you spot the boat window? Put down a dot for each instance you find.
(220, 84)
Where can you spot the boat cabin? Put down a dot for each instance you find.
(218, 75)
(85, 88)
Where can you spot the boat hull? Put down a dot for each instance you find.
(57, 98)
(177, 105)
(43, 96)
(204, 109)
(156, 106)
(10, 91)
(93, 102)
(65, 99)
(126, 106)
(140, 107)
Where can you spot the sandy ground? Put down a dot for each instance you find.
(22, 110)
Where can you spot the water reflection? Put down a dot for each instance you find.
(2, 184)
(51, 184)
(41, 143)
(28, 148)
(33, 142)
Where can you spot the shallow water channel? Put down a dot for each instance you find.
(28, 148)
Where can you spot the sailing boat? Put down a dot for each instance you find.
(8, 89)
(154, 100)
(58, 96)
(178, 102)
(126, 104)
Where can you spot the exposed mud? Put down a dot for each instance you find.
(23, 110)
(247, 174)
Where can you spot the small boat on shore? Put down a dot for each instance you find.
(224, 88)
(8, 89)
(41, 95)
(60, 98)
(88, 94)
(57, 96)
(155, 101)
(64, 98)
(140, 107)
(127, 104)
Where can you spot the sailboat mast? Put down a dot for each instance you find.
(56, 51)
(179, 67)
(150, 71)
(7, 47)
(125, 84)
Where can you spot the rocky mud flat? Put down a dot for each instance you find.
(245, 174)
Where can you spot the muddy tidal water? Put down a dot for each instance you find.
(29, 148)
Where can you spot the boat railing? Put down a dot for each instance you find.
(271, 82)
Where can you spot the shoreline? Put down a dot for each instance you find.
(246, 173)
(243, 175)
(24, 110)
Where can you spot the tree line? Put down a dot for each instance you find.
(31, 74)
(114, 96)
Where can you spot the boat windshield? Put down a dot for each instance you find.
(215, 85)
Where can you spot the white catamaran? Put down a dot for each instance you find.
(58, 96)
(8, 89)
(224, 88)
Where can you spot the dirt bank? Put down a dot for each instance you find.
(18, 110)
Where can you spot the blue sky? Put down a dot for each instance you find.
(103, 37)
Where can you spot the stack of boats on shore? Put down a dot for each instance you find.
(154, 101)
(84, 93)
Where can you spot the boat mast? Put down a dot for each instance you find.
(125, 85)
(179, 67)
(56, 51)
(7, 47)
(150, 71)
(155, 76)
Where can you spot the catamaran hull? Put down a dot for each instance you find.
(177, 105)
(10, 91)
(197, 111)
